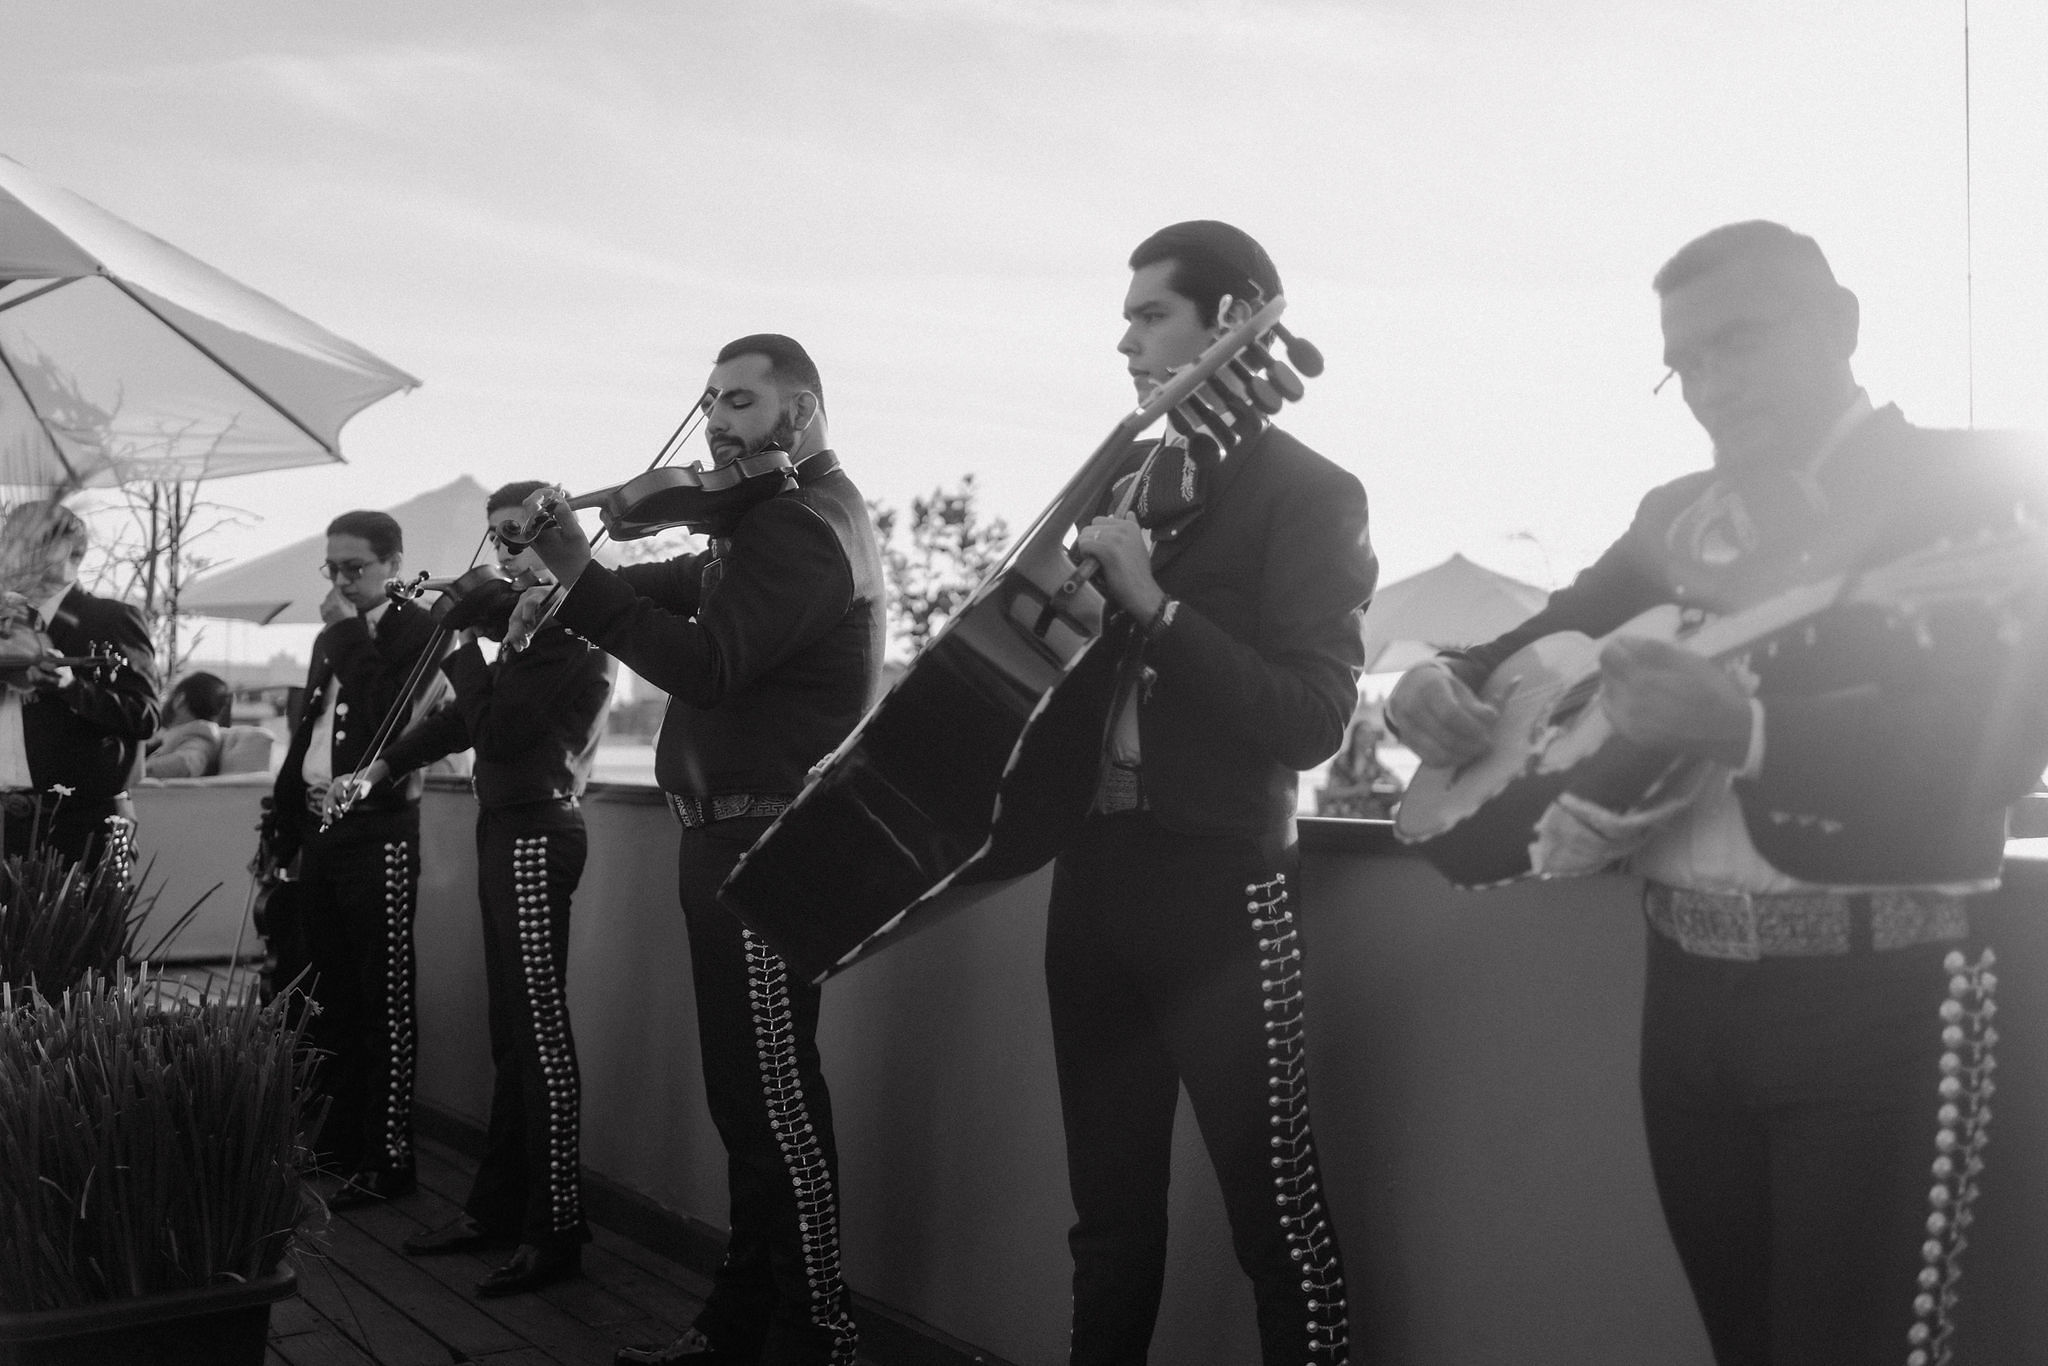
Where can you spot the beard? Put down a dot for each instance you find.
(780, 437)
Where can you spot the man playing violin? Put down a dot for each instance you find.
(69, 735)
(1814, 1045)
(1173, 945)
(534, 717)
(769, 645)
(358, 875)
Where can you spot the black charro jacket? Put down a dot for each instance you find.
(534, 717)
(1896, 732)
(773, 666)
(1257, 677)
(373, 668)
(86, 734)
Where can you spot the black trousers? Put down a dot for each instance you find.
(777, 1292)
(358, 883)
(1814, 1152)
(1173, 959)
(528, 1185)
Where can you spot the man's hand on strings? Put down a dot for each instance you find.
(1118, 545)
(563, 547)
(1664, 697)
(1440, 718)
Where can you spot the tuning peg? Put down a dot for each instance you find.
(1306, 357)
(1286, 381)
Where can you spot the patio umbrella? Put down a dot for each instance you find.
(122, 358)
(443, 529)
(1454, 603)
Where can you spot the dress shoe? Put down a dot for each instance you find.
(372, 1187)
(691, 1349)
(531, 1268)
(460, 1234)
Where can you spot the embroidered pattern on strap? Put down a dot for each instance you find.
(399, 1018)
(1967, 1037)
(1297, 1187)
(817, 1208)
(548, 1009)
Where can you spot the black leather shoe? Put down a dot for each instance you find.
(460, 1234)
(691, 1349)
(531, 1268)
(372, 1188)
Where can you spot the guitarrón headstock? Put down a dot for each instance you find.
(1229, 391)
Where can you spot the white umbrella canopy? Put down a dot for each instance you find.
(1451, 604)
(122, 357)
(443, 530)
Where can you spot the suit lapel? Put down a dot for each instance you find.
(1220, 481)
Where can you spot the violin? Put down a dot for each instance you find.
(480, 598)
(708, 502)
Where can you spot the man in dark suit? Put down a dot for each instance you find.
(359, 873)
(1815, 1041)
(769, 645)
(1173, 951)
(69, 737)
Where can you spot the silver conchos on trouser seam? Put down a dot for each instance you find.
(548, 1010)
(120, 848)
(1965, 1113)
(816, 1205)
(398, 1005)
(1297, 1190)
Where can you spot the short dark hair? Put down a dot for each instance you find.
(1755, 239)
(206, 696)
(788, 362)
(512, 494)
(1211, 259)
(380, 529)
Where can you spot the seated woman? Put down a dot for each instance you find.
(189, 744)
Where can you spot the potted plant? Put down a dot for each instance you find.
(153, 1152)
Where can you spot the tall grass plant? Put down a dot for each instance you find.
(147, 1144)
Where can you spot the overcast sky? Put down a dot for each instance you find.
(555, 213)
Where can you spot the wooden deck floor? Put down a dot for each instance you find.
(362, 1301)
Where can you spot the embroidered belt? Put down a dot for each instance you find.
(1119, 790)
(1746, 927)
(697, 812)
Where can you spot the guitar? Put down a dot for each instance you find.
(1560, 794)
(975, 769)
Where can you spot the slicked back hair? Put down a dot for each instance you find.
(380, 529)
(788, 362)
(1211, 259)
(1800, 258)
(512, 494)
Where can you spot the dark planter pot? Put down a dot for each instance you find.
(218, 1325)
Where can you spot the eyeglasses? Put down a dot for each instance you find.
(346, 571)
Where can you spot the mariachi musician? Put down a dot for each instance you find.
(1174, 941)
(769, 645)
(68, 737)
(1814, 1050)
(534, 717)
(358, 875)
